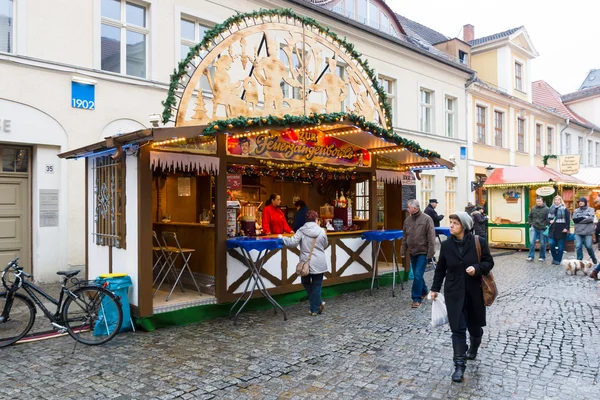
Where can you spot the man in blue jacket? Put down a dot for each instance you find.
(300, 218)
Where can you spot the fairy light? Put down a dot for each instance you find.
(168, 141)
(250, 134)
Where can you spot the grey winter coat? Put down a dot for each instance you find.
(538, 217)
(305, 237)
(585, 226)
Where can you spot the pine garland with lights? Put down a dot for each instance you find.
(170, 102)
(547, 157)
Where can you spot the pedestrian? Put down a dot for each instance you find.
(583, 216)
(273, 219)
(305, 237)
(594, 274)
(419, 241)
(459, 265)
(560, 223)
(469, 208)
(430, 210)
(480, 222)
(300, 217)
(538, 220)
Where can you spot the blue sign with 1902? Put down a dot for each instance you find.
(83, 96)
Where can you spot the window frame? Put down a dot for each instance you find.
(426, 109)
(538, 139)
(480, 124)
(519, 76)
(580, 149)
(590, 152)
(549, 140)
(12, 42)
(427, 185)
(567, 143)
(123, 28)
(499, 131)
(521, 135)
(362, 213)
(109, 229)
(391, 95)
(597, 163)
(451, 194)
(450, 113)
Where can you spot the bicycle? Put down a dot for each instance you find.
(90, 313)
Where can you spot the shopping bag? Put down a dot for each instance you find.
(439, 314)
(547, 231)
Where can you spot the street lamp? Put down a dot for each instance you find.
(488, 170)
(480, 181)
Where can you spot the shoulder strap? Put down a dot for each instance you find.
(478, 247)
(312, 248)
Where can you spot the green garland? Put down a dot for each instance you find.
(226, 125)
(547, 157)
(213, 33)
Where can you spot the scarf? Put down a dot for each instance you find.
(558, 214)
(462, 243)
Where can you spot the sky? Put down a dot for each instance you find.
(566, 34)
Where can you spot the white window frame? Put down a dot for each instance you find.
(502, 128)
(567, 143)
(13, 30)
(538, 151)
(124, 27)
(485, 123)
(187, 42)
(391, 95)
(426, 108)
(597, 154)
(450, 130)
(521, 77)
(524, 150)
(580, 149)
(427, 185)
(590, 153)
(451, 183)
(362, 192)
(549, 139)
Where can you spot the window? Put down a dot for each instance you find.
(373, 15)
(361, 208)
(498, 128)
(124, 33)
(520, 134)
(462, 57)
(519, 76)
(6, 26)
(550, 143)
(426, 189)
(538, 140)
(450, 117)
(426, 110)
(480, 125)
(380, 203)
(450, 195)
(349, 8)
(109, 202)
(361, 11)
(14, 159)
(567, 143)
(192, 33)
(597, 154)
(389, 87)
(590, 152)
(580, 149)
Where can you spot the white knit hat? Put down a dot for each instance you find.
(465, 220)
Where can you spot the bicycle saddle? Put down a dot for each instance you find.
(68, 274)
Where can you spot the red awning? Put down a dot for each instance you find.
(529, 175)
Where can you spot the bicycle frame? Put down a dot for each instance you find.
(30, 288)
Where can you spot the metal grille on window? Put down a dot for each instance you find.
(109, 202)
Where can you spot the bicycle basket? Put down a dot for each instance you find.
(10, 280)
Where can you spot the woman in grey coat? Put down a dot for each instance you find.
(305, 237)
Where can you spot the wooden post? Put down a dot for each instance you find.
(144, 199)
(221, 220)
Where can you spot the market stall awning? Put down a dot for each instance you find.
(589, 175)
(531, 176)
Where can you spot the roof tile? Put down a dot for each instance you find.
(494, 37)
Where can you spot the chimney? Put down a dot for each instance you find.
(468, 33)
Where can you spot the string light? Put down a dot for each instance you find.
(385, 151)
(169, 141)
(341, 133)
(250, 134)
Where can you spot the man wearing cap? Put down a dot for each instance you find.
(584, 229)
(419, 240)
(430, 210)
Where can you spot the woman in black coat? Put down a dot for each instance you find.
(460, 267)
(560, 223)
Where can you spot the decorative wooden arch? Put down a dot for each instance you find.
(245, 43)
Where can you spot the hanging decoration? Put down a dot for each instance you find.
(184, 162)
(296, 173)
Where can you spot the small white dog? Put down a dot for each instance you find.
(572, 266)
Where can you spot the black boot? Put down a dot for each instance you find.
(460, 361)
(472, 352)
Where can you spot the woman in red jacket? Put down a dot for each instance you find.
(273, 220)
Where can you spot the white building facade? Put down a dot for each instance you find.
(107, 71)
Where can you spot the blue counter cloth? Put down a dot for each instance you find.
(442, 230)
(253, 243)
(380, 236)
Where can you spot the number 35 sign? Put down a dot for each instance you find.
(83, 96)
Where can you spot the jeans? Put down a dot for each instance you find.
(460, 336)
(313, 284)
(419, 287)
(557, 255)
(537, 234)
(584, 240)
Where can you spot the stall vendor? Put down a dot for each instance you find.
(273, 219)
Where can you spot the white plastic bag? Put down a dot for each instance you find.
(439, 314)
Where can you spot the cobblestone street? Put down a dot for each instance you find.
(542, 342)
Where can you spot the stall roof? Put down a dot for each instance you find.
(589, 175)
(530, 175)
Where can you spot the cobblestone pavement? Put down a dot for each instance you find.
(542, 342)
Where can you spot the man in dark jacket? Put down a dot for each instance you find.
(479, 222)
(300, 218)
(462, 269)
(584, 229)
(419, 241)
(430, 210)
(538, 220)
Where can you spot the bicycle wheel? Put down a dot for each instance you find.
(92, 315)
(18, 320)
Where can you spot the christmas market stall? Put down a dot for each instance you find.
(267, 103)
(512, 192)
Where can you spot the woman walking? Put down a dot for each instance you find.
(460, 266)
(308, 234)
(560, 223)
